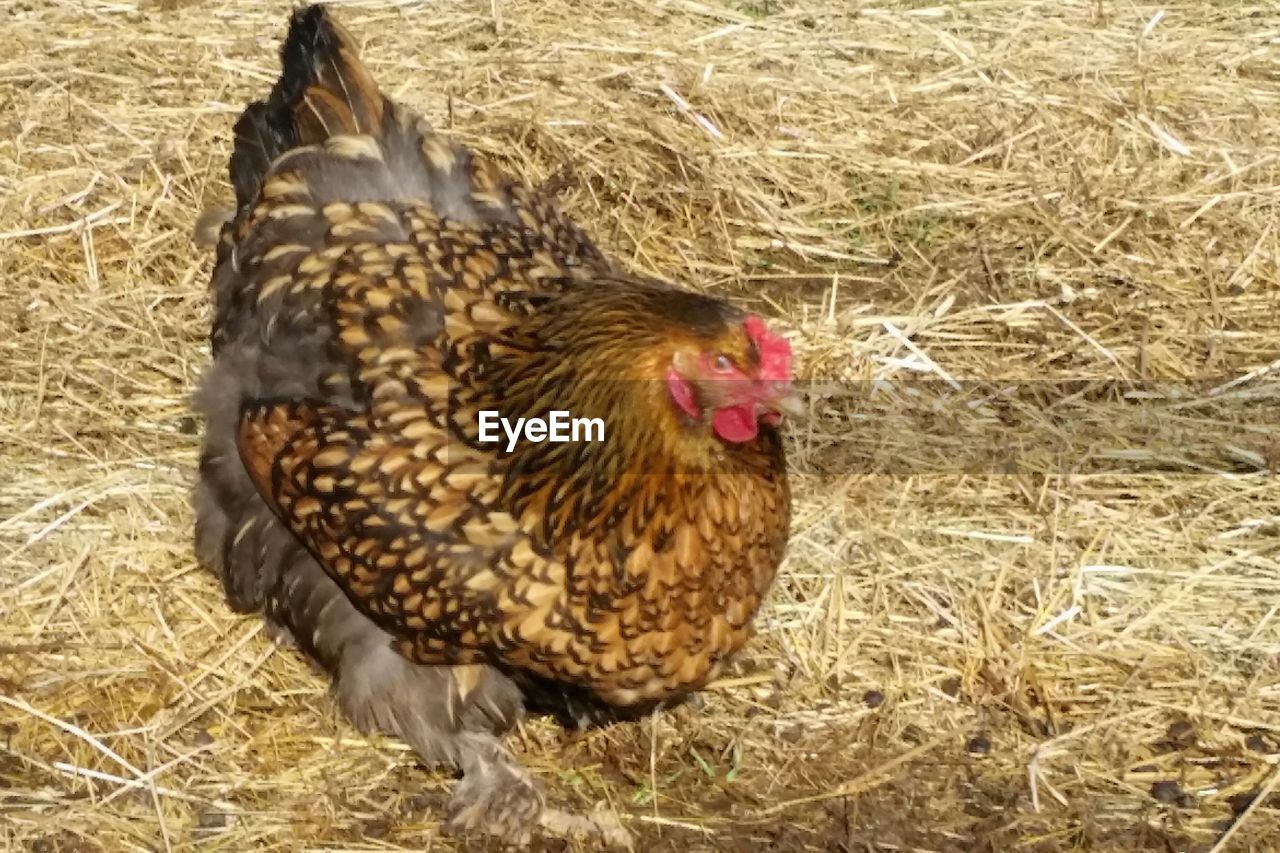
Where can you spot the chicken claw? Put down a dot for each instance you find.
(496, 796)
(499, 798)
(600, 825)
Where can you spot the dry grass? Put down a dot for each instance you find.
(1035, 656)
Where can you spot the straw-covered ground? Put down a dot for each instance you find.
(1075, 648)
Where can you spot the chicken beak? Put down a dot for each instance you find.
(784, 398)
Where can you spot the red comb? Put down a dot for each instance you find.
(775, 352)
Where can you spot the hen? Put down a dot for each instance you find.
(376, 290)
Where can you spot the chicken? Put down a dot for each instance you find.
(376, 290)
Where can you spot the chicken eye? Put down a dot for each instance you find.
(723, 364)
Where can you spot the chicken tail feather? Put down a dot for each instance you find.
(362, 147)
(324, 87)
(323, 91)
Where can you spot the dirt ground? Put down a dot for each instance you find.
(1003, 623)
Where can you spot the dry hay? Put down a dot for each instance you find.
(963, 654)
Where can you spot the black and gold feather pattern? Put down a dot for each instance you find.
(377, 289)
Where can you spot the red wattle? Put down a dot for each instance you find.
(735, 423)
